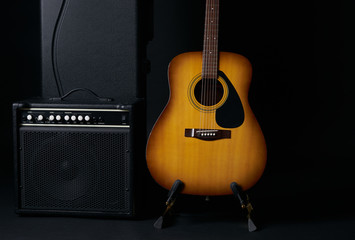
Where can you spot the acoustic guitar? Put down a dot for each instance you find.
(207, 135)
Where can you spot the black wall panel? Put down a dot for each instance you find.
(93, 44)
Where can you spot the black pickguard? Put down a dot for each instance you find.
(231, 113)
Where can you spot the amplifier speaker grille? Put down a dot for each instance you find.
(75, 169)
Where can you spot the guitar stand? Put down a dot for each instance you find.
(178, 185)
(245, 204)
(166, 218)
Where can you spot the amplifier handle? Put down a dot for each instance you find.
(61, 98)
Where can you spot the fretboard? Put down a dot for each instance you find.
(210, 43)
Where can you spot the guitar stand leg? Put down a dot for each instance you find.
(164, 219)
(245, 204)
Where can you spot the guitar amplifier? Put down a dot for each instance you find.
(78, 159)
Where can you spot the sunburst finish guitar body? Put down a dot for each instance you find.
(207, 136)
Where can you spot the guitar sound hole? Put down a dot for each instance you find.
(208, 92)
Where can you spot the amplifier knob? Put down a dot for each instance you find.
(87, 118)
(73, 118)
(58, 117)
(40, 117)
(29, 117)
(51, 118)
(66, 118)
(80, 118)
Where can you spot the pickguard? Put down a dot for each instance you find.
(231, 113)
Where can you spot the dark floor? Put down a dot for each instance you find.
(286, 219)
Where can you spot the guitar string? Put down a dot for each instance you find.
(203, 72)
(213, 54)
(206, 65)
(216, 59)
(204, 68)
(210, 56)
(210, 65)
(210, 60)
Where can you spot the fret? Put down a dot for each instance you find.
(210, 43)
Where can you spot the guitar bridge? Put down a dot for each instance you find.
(207, 134)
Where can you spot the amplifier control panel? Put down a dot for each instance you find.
(74, 117)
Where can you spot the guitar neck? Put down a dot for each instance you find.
(210, 43)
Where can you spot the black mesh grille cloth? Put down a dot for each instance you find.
(75, 169)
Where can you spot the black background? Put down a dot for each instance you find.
(302, 94)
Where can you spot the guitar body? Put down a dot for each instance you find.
(207, 146)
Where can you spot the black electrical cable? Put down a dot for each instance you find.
(56, 31)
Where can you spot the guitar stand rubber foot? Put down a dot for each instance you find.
(165, 219)
(245, 204)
